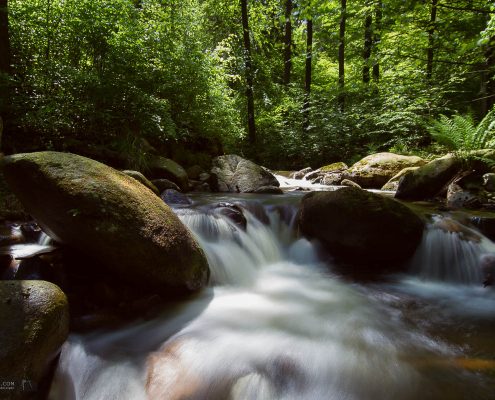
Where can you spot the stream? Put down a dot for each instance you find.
(278, 322)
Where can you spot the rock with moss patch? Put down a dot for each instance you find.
(103, 212)
(34, 323)
(335, 167)
(361, 228)
(428, 180)
(393, 183)
(375, 170)
(142, 179)
(236, 174)
(165, 168)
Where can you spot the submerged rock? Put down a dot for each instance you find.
(171, 196)
(104, 213)
(360, 227)
(164, 184)
(34, 323)
(375, 170)
(269, 190)
(236, 174)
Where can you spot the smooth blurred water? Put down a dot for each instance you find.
(276, 323)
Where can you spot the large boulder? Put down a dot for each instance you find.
(236, 174)
(106, 214)
(429, 180)
(34, 323)
(375, 170)
(360, 227)
(393, 183)
(165, 168)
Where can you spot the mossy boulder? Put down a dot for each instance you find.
(429, 180)
(142, 179)
(165, 168)
(377, 169)
(335, 167)
(236, 174)
(34, 323)
(109, 216)
(361, 228)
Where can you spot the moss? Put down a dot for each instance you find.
(337, 166)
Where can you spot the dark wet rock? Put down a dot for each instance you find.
(256, 209)
(489, 182)
(360, 227)
(313, 175)
(34, 323)
(142, 179)
(233, 212)
(194, 172)
(269, 190)
(173, 197)
(104, 213)
(31, 231)
(198, 186)
(164, 184)
(165, 168)
(236, 174)
(375, 170)
(301, 173)
(485, 224)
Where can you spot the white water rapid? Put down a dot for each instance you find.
(276, 323)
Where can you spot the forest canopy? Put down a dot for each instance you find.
(286, 82)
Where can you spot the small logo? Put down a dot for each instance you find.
(7, 385)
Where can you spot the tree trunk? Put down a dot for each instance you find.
(5, 66)
(4, 38)
(431, 40)
(376, 40)
(249, 73)
(368, 42)
(488, 78)
(307, 80)
(341, 100)
(287, 42)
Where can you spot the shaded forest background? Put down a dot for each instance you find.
(288, 83)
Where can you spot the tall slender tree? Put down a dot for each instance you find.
(288, 42)
(248, 64)
(4, 38)
(5, 63)
(368, 42)
(431, 40)
(343, 17)
(377, 39)
(308, 73)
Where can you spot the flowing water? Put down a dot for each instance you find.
(278, 323)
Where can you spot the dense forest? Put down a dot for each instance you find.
(285, 82)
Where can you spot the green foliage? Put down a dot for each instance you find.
(460, 133)
(116, 72)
